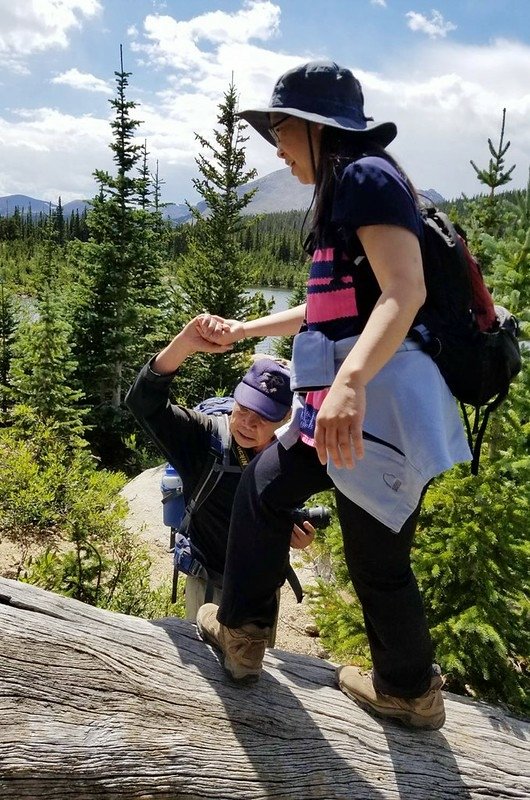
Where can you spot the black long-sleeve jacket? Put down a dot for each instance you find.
(183, 437)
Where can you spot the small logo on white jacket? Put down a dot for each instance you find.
(392, 481)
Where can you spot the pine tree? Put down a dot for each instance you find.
(42, 367)
(473, 553)
(472, 564)
(59, 223)
(160, 226)
(8, 326)
(41, 374)
(105, 318)
(493, 177)
(214, 271)
(496, 174)
(28, 224)
(123, 300)
(144, 189)
(284, 347)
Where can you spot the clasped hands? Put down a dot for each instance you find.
(219, 331)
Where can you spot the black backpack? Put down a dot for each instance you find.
(473, 342)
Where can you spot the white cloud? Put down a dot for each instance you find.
(190, 106)
(218, 43)
(31, 26)
(447, 100)
(45, 145)
(381, 3)
(434, 27)
(199, 57)
(82, 80)
(176, 43)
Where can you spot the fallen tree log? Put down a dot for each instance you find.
(96, 704)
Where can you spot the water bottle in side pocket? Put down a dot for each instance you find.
(173, 504)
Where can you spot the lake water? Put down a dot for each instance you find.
(281, 299)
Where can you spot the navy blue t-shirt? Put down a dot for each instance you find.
(371, 191)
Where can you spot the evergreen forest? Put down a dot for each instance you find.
(85, 301)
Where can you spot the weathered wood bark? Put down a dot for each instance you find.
(100, 705)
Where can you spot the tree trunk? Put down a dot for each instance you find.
(96, 704)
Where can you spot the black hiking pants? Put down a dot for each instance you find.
(378, 562)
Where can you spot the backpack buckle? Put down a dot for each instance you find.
(196, 569)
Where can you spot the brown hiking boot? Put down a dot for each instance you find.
(426, 711)
(243, 648)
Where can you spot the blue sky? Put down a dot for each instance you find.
(442, 71)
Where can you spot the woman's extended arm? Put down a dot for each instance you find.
(226, 331)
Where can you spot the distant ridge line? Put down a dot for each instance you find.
(278, 191)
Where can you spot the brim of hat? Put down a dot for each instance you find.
(265, 406)
(383, 132)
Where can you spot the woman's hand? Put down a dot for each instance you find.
(193, 339)
(339, 425)
(220, 331)
(301, 538)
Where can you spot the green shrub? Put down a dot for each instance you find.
(55, 502)
(472, 563)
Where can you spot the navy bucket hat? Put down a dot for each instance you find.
(321, 91)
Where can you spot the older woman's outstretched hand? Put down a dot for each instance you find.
(339, 425)
(218, 330)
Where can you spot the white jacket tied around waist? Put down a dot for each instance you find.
(409, 410)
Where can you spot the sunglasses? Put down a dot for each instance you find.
(273, 129)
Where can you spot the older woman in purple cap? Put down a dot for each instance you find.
(374, 418)
(263, 404)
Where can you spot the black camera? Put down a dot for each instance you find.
(318, 516)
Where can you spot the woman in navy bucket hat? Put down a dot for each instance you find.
(373, 418)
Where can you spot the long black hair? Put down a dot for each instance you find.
(339, 148)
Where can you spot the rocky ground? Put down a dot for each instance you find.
(296, 629)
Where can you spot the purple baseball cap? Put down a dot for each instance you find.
(266, 390)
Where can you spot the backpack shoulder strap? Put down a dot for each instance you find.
(217, 462)
(225, 438)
